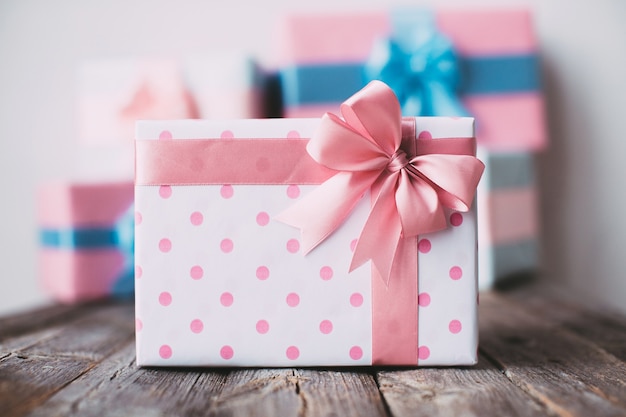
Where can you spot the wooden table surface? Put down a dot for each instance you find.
(539, 355)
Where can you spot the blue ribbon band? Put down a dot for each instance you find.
(119, 236)
(80, 238)
(333, 83)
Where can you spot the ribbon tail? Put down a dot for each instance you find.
(321, 212)
(381, 234)
(418, 206)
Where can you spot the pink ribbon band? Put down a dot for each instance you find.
(250, 161)
(226, 161)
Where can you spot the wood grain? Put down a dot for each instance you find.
(540, 355)
(567, 373)
(481, 390)
(117, 387)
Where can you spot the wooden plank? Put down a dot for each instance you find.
(94, 335)
(341, 393)
(36, 371)
(47, 332)
(606, 329)
(568, 374)
(118, 387)
(258, 392)
(480, 391)
(28, 322)
(25, 382)
(297, 392)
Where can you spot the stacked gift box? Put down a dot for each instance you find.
(86, 225)
(439, 63)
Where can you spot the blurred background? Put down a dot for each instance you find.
(44, 45)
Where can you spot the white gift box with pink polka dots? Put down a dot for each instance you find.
(219, 282)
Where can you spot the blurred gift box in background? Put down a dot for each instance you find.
(76, 76)
(480, 62)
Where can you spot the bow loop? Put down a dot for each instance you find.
(422, 69)
(409, 192)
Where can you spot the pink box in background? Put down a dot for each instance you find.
(323, 61)
(221, 282)
(86, 240)
(326, 57)
(114, 94)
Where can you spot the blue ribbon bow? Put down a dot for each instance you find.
(422, 68)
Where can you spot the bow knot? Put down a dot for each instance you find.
(397, 161)
(409, 192)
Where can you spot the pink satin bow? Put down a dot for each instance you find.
(410, 191)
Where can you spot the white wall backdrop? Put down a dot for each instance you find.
(583, 174)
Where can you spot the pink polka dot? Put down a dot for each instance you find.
(196, 272)
(356, 353)
(326, 273)
(424, 246)
(165, 191)
(293, 191)
(326, 326)
(138, 217)
(262, 326)
(293, 299)
(423, 299)
(455, 326)
(227, 191)
(293, 134)
(165, 351)
(356, 300)
(165, 298)
(165, 245)
(138, 271)
(262, 164)
(196, 326)
(196, 218)
(456, 219)
(425, 134)
(293, 246)
(262, 219)
(353, 244)
(165, 135)
(226, 352)
(138, 325)
(423, 352)
(262, 273)
(293, 353)
(226, 245)
(456, 273)
(227, 134)
(226, 299)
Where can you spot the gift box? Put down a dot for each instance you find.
(86, 240)
(223, 278)
(508, 233)
(481, 63)
(442, 62)
(114, 94)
